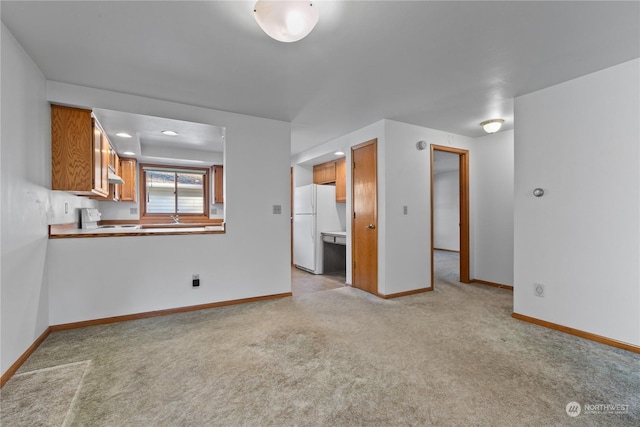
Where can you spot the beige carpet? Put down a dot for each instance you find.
(335, 358)
(41, 397)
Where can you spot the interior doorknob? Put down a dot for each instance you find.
(371, 226)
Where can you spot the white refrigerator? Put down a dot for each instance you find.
(314, 211)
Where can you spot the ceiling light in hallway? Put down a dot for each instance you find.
(492, 126)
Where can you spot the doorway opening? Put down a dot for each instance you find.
(450, 171)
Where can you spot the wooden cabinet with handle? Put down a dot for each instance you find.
(79, 153)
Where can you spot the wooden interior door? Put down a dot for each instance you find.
(364, 223)
(463, 168)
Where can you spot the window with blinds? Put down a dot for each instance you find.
(175, 191)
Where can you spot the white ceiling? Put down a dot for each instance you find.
(443, 65)
(196, 143)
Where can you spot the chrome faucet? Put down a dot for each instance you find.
(176, 218)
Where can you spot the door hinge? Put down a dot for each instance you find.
(354, 165)
(354, 265)
(354, 215)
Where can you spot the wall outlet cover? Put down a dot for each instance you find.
(538, 290)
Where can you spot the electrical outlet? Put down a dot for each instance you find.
(277, 209)
(214, 211)
(538, 290)
(195, 280)
(133, 211)
(405, 209)
(66, 207)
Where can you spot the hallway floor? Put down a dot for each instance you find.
(306, 283)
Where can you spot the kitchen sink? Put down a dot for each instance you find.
(176, 225)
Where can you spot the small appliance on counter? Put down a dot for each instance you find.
(89, 218)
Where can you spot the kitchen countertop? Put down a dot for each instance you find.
(62, 231)
(335, 233)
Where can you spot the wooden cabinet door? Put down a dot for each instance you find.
(341, 180)
(324, 173)
(115, 190)
(218, 181)
(318, 174)
(71, 150)
(100, 163)
(128, 175)
(330, 172)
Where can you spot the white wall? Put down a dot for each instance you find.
(492, 218)
(152, 273)
(446, 209)
(408, 175)
(28, 205)
(579, 142)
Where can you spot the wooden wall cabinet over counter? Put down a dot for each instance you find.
(324, 173)
(79, 153)
(114, 166)
(128, 175)
(218, 181)
(333, 172)
(341, 180)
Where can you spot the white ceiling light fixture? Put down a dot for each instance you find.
(286, 21)
(169, 133)
(128, 153)
(339, 153)
(492, 126)
(123, 135)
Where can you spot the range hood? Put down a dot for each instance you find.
(115, 179)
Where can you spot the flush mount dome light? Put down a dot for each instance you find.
(123, 135)
(492, 126)
(169, 133)
(286, 21)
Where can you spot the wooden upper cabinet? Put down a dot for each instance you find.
(115, 190)
(324, 173)
(101, 162)
(218, 181)
(128, 175)
(341, 180)
(79, 153)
